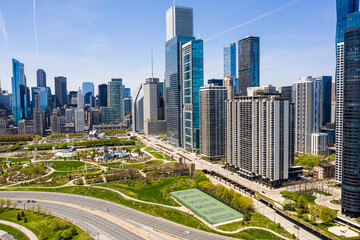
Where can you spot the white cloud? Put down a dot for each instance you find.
(3, 31)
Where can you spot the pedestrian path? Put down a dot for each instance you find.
(23, 229)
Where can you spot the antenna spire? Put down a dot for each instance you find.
(152, 66)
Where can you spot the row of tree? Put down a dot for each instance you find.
(230, 197)
(16, 138)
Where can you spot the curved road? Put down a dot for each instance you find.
(102, 226)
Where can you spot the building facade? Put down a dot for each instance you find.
(60, 91)
(179, 30)
(88, 92)
(212, 121)
(350, 189)
(19, 97)
(40, 78)
(230, 60)
(257, 138)
(116, 99)
(103, 95)
(193, 79)
(79, 121)
(80, 99)
(249, 64)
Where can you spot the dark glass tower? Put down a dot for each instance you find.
(88, 91)
(19, 96)
(60, 91)
(103, 95)
(41, 78)
(350, 194)
(343, 9)
(179, 20)
(249, 64)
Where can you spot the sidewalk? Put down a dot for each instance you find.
(26, 231)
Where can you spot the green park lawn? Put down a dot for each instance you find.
(156, 154)
(37, 223)
(255, 234)
(136, 165)
(67, 165)
(153, 190)
(19, 235)
(15, 160)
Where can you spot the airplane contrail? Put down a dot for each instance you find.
(253, 20)
(3, 28)
(35, 31)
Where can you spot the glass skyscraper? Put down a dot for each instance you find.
(350, 186)
(45, 97)
(103, 95)
(60, 91)
(343, 9)
(249, 64)
(88, 91)
(41, 78)
(19, 96)
(179, 30)
(116, 99)
(193, 79)
(230, 60)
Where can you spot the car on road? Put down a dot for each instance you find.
(187, 232)
(33, 201)
(19, 202)
(106, 209)
(28, 201)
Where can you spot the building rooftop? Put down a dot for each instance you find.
(326, 165)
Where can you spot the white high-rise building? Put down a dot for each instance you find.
(151, 99)
(79, 120)
(307, 112)
(339, 111)
(80, 102)
(258, 136)
(179, 22)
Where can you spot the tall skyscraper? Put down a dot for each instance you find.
(179, 30)
(80, 103)
(127, 92)
(41, 78)
(193, 79)
(179, 22)
(60, 91)
(79, 121)
(212, 121)
(103, 95)
(343, 9)
(88, 91)
(348, 16)
(257, 138)
(230, 60)
(45, 97)
(249, 64)
(151, 99)
(116, 99)
(350, 194)
(19, 97)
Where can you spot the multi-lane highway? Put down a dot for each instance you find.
(84, 211)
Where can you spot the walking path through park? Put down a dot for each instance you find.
(23, 229)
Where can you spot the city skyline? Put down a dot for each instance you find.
(102, 57)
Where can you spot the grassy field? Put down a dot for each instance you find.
(136, 165)
(157, 211)
(66, 165)
(153, 190)
(156, 154)
(257, 220)
(15, 160)
(255, 234)
(37, 223)
(19, 235)
(206, 206)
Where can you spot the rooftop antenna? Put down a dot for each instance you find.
(152, 67)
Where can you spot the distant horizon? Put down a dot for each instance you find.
(97, 41)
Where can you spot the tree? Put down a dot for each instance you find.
(42, 236)
(73, 231)
(2, 202)
(25, 220)
(66, 234)
(14, 204)
(7, 203)
(38, 208)
(22, 214)
(18, 217)
(301, 202)
(314, 211)
(327, 215)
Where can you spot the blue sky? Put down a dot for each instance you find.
(95, 40)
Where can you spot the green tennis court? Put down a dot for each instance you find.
(206, 207)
